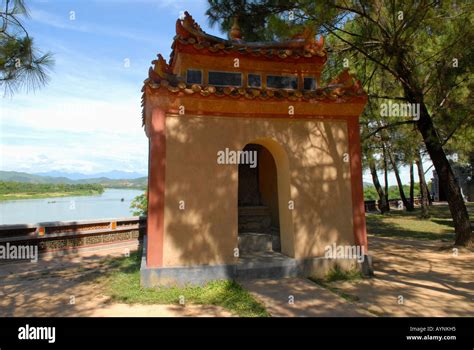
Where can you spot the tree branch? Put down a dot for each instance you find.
(389, 126)
(388, 97)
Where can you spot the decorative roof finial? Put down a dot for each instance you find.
(235, 33)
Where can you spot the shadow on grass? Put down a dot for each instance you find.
(122, 284)
(404, 225)
(443, 222)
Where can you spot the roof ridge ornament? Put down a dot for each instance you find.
(186, 27)
(308, 35)
(161, 71)
(346, 82)
(235, 33)
(190, 23)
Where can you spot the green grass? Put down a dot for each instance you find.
(122, 284)
(340, 275)
(403, 224)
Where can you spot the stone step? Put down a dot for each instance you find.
(254, 219)
(276, 242)
(255, 242)
(260, 210)
(266, 265)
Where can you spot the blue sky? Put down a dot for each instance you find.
(88, 118)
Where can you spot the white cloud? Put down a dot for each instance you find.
(79, 25)
(75, 134)
(73, 114)
(89, 157)
(88, 118)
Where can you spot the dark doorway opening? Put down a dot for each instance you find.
(258, 217)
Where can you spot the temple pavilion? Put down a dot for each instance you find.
(296, 187)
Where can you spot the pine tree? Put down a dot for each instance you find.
(21, 65)
(424, 46)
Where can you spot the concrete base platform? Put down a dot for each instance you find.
(268, 264)
(249, 266)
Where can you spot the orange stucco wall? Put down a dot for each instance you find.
(268, 183)
(309, 156)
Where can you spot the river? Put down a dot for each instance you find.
(30, 211)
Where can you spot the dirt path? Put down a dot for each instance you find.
(431, 282)
(300, 297)
(67, 286)
(415, 278)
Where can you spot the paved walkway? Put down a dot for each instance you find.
(300, 297)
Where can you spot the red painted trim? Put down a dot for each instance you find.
(257, 115)
(156, 188)
(358, 208)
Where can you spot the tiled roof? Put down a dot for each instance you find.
(188, 32)
(162, 80)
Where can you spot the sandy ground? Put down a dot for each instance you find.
(432, 282)
(302, 298)
(416, 278)
(66, 286)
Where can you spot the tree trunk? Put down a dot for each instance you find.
(430, 199)
(447, 180)
(383, 204)
(385, 172)
(423, 188)
(412, 187)
(399, 181)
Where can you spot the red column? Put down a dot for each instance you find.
(156, 188)
(358, 208)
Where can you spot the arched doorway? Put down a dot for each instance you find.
(258, 201)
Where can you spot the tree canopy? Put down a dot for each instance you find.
(416, 52)
(22, 65)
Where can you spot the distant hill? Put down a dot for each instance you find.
(113, 175)
(140, 182)
(17, 176)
